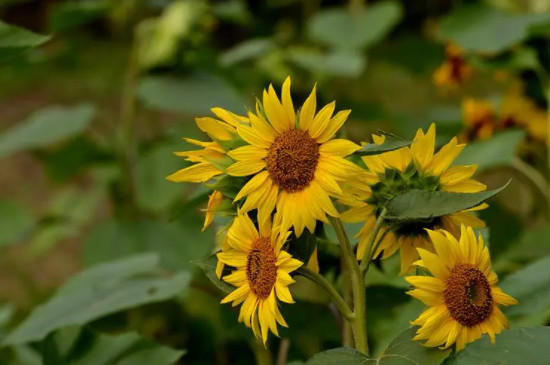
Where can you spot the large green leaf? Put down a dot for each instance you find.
(45, 127)
(249, 49)
(338, 62)
(75, 346)
(481, 28)
(513, 347)
(530, 286)
(340, 28)
(15, 40)
(15, 222)
(495, 152)
(402, 351)
(194, 94)
(391, 143)
(177, 243)
(101, 290)
(420, 204)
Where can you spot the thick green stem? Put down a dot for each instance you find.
(370, 249)
(359, 321)
(261, 353)
(323, 283)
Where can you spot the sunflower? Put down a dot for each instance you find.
(295, 164)
(462, 295)
(261, 273)
(414, 167)
(454, 70)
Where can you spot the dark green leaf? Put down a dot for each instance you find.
(15, 222)
(391, 143)
(67, 15)
(419, 204)
(195, 94)
(15, 40)
(512, 347)
(100, 291)
(45, 127)
(495, 152)
(340, 356)
(340, 28)
(208, 266)
(302, 247)
(482, 28)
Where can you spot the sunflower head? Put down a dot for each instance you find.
(261, 273)
(462, 297)
(480, 120)
(292, 161)
(454, 70)
(408, 168)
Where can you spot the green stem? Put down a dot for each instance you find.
(261, 353)
(535, 177)
(370, 249)
(323, 283)
(359, 322)
(347, 332)
(373, 251)
(548, 138)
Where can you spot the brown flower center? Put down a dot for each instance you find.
(292, 160)
(468, 295)
(260, 268)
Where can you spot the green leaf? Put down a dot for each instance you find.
(420, 204)
(530, 286)
(340, 356)
(340, 28)
(338, 62)
(520, 59)
(67, 15)
(177, 243)
(99, 291)
(195, 94)
(391, 143)
(208, 266)
(88, 348)
(482, 28)
(45, 127)
(301, 248)
(249, 49)
(15, 222)
(15, 40)
(495, 152)
(402, 351)
(516, 346)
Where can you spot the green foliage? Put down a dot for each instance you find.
(46, 127)
(68, 15)
(15, 223)
(208, 267)
(391, 143)
(419, 204)
(15, 40)
(101, 290)
(340, 28)
(516, 346)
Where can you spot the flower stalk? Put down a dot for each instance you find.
(371, 246)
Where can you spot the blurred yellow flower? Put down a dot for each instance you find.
(454, 70)
(295, 164)
(414, 167)
(462, 296)
(261, 275)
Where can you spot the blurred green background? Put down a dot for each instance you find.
(90, 118)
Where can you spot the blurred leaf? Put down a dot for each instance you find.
(345, 63)
(530, 286)
(15, 40)
(70, 14)
(403, 350)
(515, 346)
(101, 290)
(45, 127)
(340, 28)
(124, 349)
(232, 10)
(208, 267)
(528, 249)
(195, 94)
(20, 355)
(495, 152)
(482, 28)
(153, 191)
(15, 222)
(419, 204)
(249, 49)
(519, 59)
(411, 51)
(391, 143)
(176, 243)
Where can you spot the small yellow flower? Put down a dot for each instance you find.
(454, 70)
(462, 296)
(295, 164)
(261, 273)
(414, 167)
(214, 201)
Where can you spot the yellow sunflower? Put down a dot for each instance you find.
(214, 201)
(454, 70)
(261, 275)
(414, 167)
(295, 164)
(462, 295)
